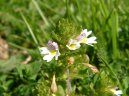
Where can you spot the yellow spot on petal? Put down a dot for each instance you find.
(72, 46)
(84, 40)
(53, 52)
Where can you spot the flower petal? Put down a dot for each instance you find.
(57, 54)
(118, 92)
(91, 41)
(44, 50)
(73, 44)
(87, 33)
(52, 46)
(48, 57)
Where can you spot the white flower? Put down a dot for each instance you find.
(73, 44)
(116, 92)
(83, 38)
(50, 51)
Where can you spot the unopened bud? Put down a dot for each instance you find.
(93, 68)
(86, 58)
(53, 85)
(70, 60)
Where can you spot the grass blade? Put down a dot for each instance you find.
(40, 12)
(30, 30)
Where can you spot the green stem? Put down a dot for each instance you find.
(69, 87)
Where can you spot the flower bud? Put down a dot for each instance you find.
(93, 68)
(53, 85)
(70, 60)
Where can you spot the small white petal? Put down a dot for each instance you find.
(48, 58)
(55, 45)
(44, 50)
(57, 54)
(87, 33)
(73, 46)
(118, 92)
(91, 40)
(84, 31)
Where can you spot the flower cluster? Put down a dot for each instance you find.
(52, 49)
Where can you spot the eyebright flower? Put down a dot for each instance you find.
(83, 38)
(116, 92)
(73, 44)
(50, 51)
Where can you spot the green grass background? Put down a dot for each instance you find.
(109, 21)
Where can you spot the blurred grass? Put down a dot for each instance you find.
(108, 19)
